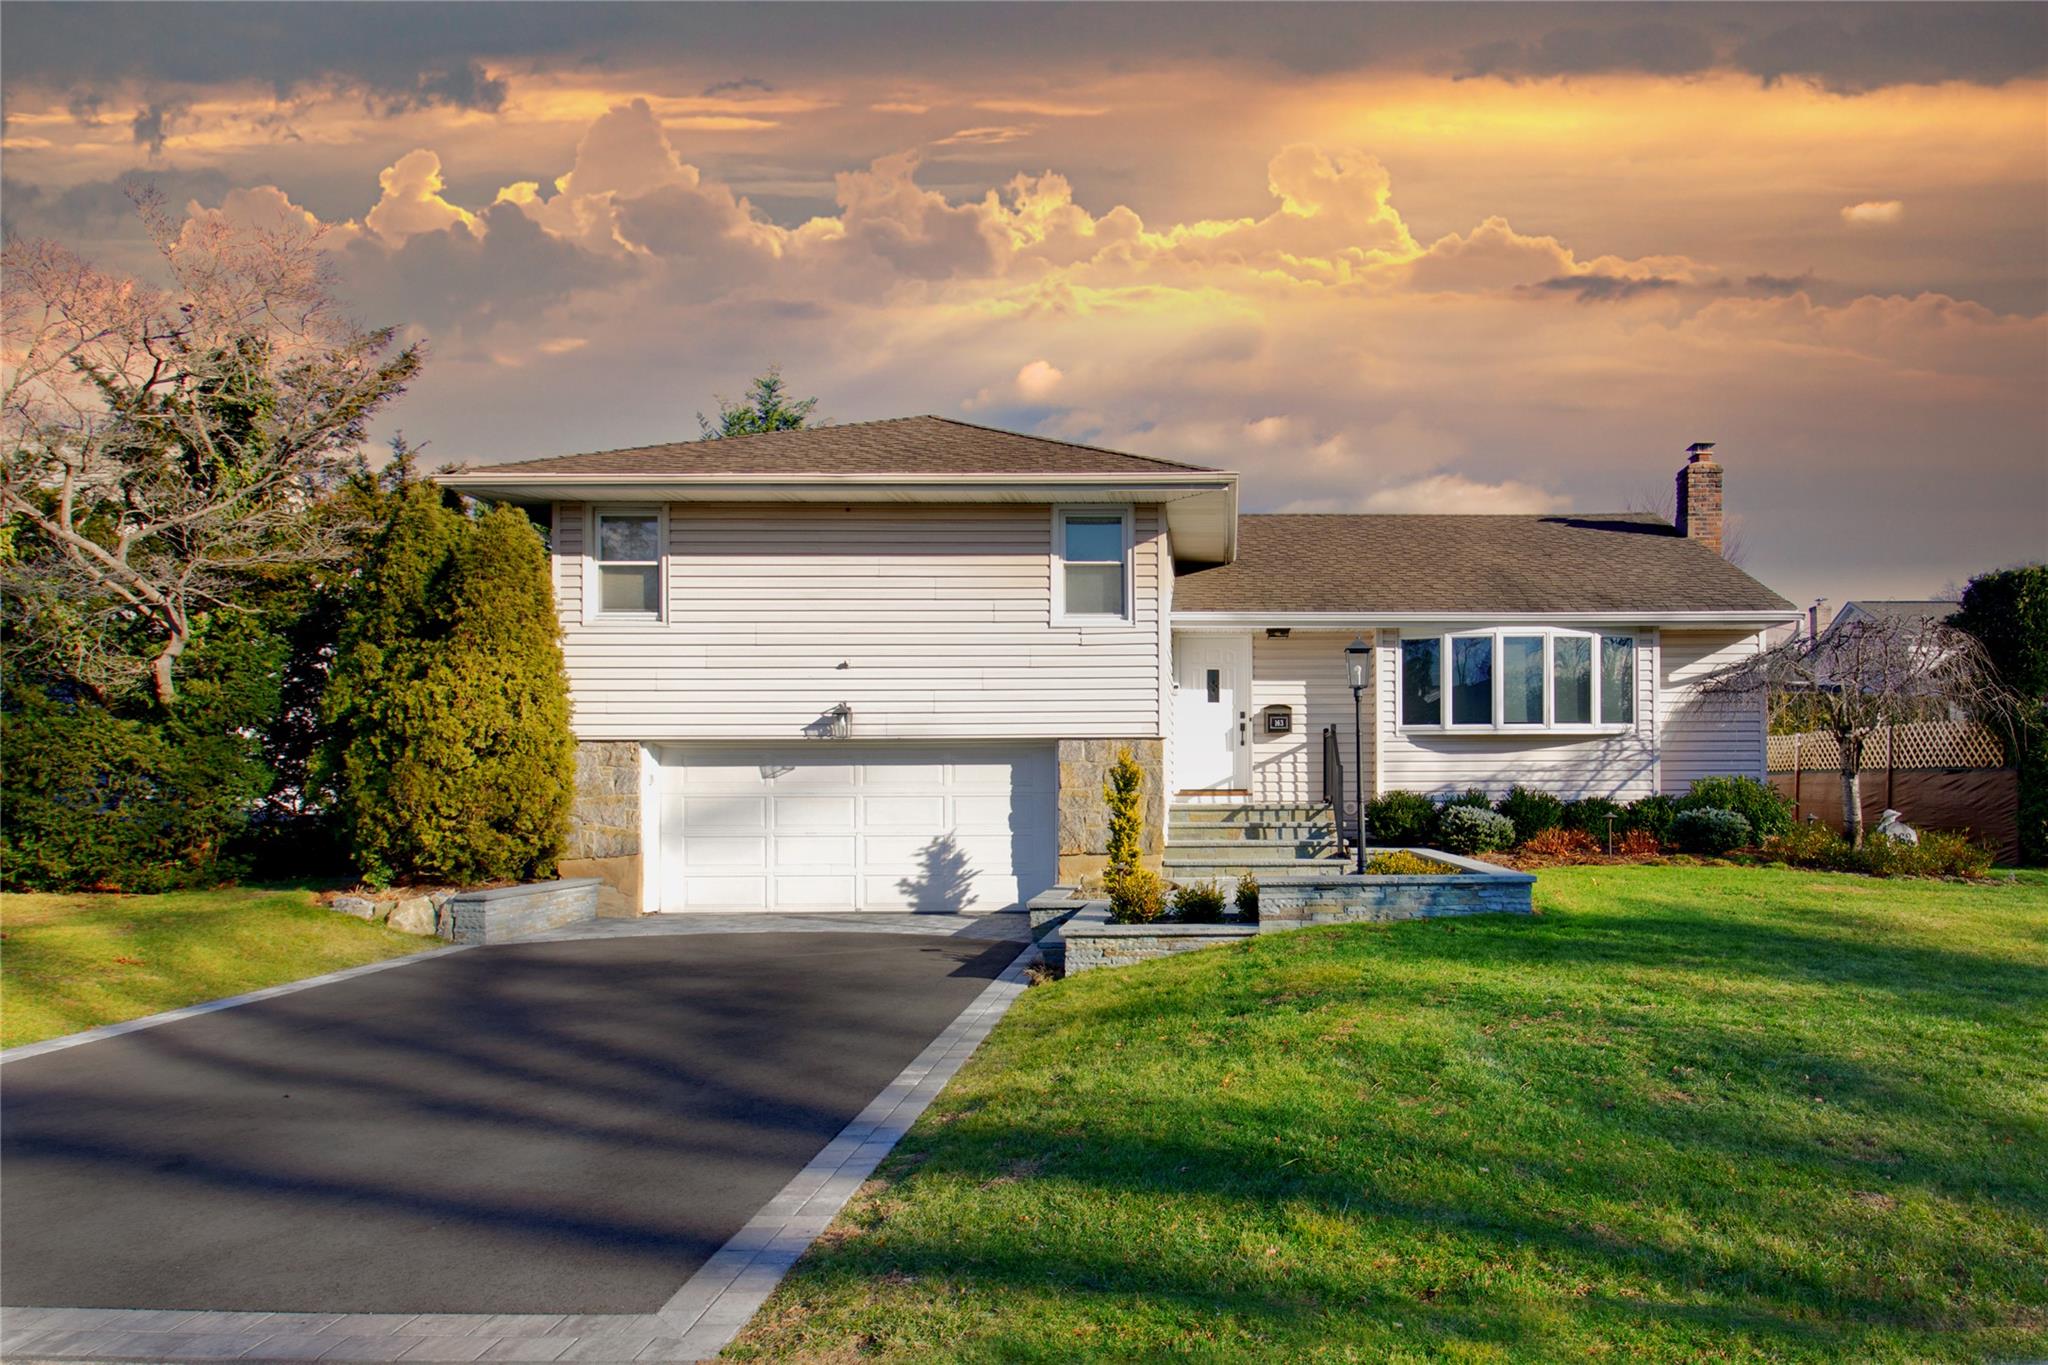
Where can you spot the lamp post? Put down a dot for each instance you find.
(1358, 654)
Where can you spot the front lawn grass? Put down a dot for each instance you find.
(1684, 1113)
(71, 962)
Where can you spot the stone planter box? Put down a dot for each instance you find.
(1092, 941)
(508, 912)
(1049, 909)
(1477, 888)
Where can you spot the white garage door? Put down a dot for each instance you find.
(866, 827)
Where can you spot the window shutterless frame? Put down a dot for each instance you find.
(1530, 680)
(627, 582)
(1091, 566)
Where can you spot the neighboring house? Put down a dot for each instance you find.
(886, 665)
(1913, 614)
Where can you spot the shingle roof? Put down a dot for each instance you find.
(1911, 612)
(898, 445)
(1594, 562)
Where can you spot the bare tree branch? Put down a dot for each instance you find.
(157, 447)
(1858, 677)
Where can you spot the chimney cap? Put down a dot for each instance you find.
(1701, 450)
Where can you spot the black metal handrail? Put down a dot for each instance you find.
(1333, 782)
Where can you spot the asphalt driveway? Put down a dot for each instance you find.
(561, 1127)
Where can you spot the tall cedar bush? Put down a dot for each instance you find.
(1123, 793)
(2008, 612)
(448, 700)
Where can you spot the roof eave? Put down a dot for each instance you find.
(1201, 506)
(1196, 619)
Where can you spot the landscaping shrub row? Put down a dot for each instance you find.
(1716, 817)
(1472, 823)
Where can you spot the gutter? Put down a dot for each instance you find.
(1362, 621)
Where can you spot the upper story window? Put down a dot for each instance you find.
(629, 565)
(1092, 581)
(1511, 680)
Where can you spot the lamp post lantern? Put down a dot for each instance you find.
(1358, 654)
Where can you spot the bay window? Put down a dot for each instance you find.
(1422, 688)
(1507, 680)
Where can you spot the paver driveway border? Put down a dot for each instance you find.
(697, 1322)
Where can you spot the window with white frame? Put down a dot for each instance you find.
(629, 565)
(1093, 582)
(1506, 679)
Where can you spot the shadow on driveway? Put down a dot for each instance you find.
(533, 1128)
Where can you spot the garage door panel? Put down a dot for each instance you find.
(909, 827)
(808, 814)
(904, 774)
(987, 813)
(714, 814)
(903, 812)
(815, 853)
(734, 893)
(805, 892)
(717, 851)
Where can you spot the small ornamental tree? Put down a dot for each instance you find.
(1858, 677)
(1123, 791)
(452, 757)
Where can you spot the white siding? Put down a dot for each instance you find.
(1706, 735)
(1622, 766)
(929, 621)
(1308, 673)
(571, 530)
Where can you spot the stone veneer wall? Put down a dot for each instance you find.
(1084, 815)
(1484, 889)
(508, 912)
(1093, 946)
(604, 823)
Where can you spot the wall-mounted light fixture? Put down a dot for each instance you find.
(833, 724)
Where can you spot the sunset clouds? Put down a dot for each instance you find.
(1442, 277)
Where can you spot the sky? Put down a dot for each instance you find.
(1429, 258)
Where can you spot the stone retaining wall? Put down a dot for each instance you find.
(1481, 889)
(507, 912)
(1092, 941)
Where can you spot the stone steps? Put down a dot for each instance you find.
(1222, 843)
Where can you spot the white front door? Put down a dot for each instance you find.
(817, 826)
(1212, 677)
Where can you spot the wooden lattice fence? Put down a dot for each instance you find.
(1921, 744)
(1937, 774)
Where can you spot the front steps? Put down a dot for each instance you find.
(1222, 843)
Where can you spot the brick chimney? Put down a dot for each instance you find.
(1699, 496)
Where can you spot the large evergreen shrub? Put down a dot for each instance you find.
(1767, 810)
(120, 793)
(448, 701)
(1398, 817)
(2008, 612)
(1123, 792)
(1532, 811)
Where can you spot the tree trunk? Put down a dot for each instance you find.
(1851, 746)
(160, 678)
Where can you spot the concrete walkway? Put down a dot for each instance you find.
(694, 1319)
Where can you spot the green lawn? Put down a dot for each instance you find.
(70, 962)
(1684, 1113)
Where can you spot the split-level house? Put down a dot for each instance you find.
(886, 665)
